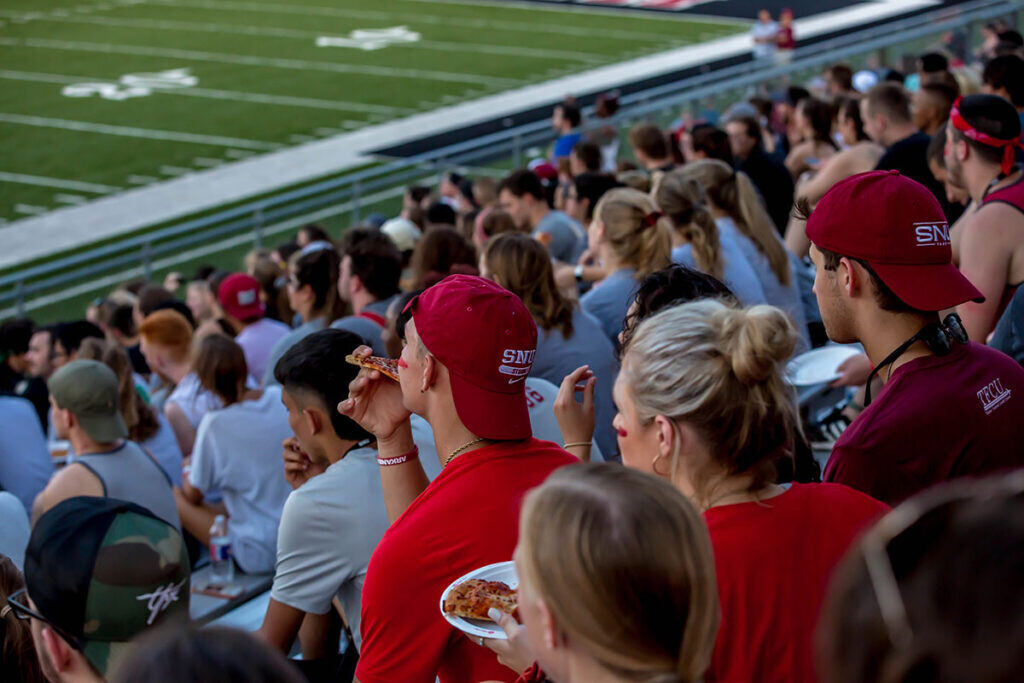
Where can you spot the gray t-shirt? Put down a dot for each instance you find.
(369, 325)
(566, 239)
(609, 299)
(25, 463)
(14, 529)
(329, 529)
(557, 357)
(785, 297)
(737, 273)
(287, 342)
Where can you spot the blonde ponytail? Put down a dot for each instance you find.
(640, 239)
(720, 370)
(682, 200)
(734, 193)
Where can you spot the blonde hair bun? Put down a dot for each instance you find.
(756, 341)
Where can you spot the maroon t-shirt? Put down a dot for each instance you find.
(937, 418)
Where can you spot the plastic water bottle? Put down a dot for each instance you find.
(222, 568)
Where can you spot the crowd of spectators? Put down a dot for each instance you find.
(592, 382)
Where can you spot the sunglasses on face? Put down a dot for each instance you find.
(18, 601)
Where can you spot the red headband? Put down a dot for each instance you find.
(1009, 146)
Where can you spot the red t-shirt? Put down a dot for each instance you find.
(937, 418)
(773, 560)
(467, 518)
(784, 39)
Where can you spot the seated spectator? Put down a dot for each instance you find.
(86, 411)
(585, 190)
(371, 267)
(886, 114)
(643, 605)
(149, 297)
(860, 155)
(313, 295)
(441, 252)
(565, 119)
(839, 81)
(630, 241)
(741, 218)
(14, 533)
(440, 214)
(703, 403)
(485, 192)
(67, 337)
(238, 453)
(489, 223)
(18, 652)
(213, 653)
(1004, 76)
(40, 353)
(932, 67)
(25, 462)
(201, 298)
(904, 441)
(98, 572)
(146, 426)
(698, 241)
(567, 337)
(954, 193)
(522, 196)
(167, 345)
(983, 136)
(705, 141)
(405, 234)
(932, 591)
(308, 234)
(15, 367)
(585, 158)
(651, 149)
(814, 123)
(332, 468)
(466, 339)
(930, 105)
(245, 313)
(768, 174)
(117, 320)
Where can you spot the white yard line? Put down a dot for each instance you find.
(611, 11)
(252, 60)
(132, 132)
(59, 183)
(311, 36)
(213, 94)
(412, 19)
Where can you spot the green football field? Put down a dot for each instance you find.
(98, 96)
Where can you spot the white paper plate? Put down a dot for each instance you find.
(482, 628)
(820, 365)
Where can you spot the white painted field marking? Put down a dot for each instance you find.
(364, 39)
(59, 183)
(30, 209)
(131, 132)
(207, 162)
(175, 170)
(250, 60)
(233, 95)
(412, 18)
(133, 85)
(141, 179)
(74, 199)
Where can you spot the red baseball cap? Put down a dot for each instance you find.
(897, 226)
(487, 339)
(239, 296)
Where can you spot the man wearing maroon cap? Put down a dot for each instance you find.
(469, 347)
(948, 408)
(983, 136)
(239, 296)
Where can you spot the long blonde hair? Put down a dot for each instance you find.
(720, 370)
(638, 241)
(624, 563)
(734, 193)
(683, 201)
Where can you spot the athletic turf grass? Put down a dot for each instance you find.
(98, 95)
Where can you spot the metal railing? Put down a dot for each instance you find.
(31, 287)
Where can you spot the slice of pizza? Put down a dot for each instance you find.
(473, 597)
(385, 366)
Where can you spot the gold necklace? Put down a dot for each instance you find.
(462, 448)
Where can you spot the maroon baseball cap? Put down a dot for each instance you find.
(897, 226)
(487, 339)
(239, 296)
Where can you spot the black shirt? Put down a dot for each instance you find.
(773, 181)
(31, 388)
(909, 156)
